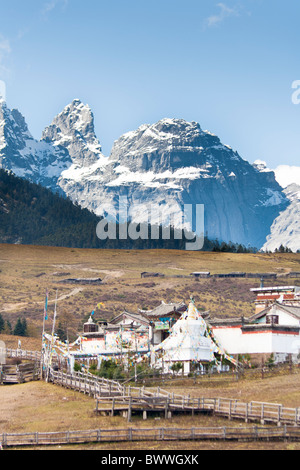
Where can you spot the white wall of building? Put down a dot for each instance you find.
(230, 339)
(235, 342)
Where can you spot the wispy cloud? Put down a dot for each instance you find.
(223, 13)
(52, 4)
(5, 50)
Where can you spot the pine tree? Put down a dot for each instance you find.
(20, 328)
(2, 324)
(8, 328)
(24, 325)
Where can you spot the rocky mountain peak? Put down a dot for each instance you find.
(13, 127)
(171, 144)
(73, 129)
(35, 160)
(170, 163)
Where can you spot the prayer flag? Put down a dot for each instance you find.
(46, 306)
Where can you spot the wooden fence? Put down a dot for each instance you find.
(112, 397)
(22, 354)
(10, 374)
(255, 433)
(168, 404)
(86, 383)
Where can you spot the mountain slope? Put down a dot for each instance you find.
(32, 214)
(285, 229)
(166, 165)
(37, 161)
(73, 130)
(173, 163)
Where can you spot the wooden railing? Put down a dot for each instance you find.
(86, 383)
(166, 403)
(151, 434)
(19, 373)
(116, 396)
(22, 354)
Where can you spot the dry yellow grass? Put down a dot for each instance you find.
(27, 271)
(42, 407)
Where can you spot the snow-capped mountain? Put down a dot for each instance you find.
(173, 163)
(73, 130)
(285, 229)
(37, 161)
(167, 164)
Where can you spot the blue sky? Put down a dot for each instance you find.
(228, 65)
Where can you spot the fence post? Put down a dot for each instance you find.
(285, 432)
(279, 415)
(262, 414)
(129, 409)
(113, 407)
(246, 414)
(296, 416)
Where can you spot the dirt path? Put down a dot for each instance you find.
(20, 306)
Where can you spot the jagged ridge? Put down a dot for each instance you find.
(172, 162)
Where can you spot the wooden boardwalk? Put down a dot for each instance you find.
(114, 398)
(23, 372)
(87, 383)
(254, 433)
(167, 406)
(19, 374)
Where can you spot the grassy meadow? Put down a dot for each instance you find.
(27, 271)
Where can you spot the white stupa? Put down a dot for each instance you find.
(188, 341)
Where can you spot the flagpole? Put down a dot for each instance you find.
(44, 319)
(53, 329)
(45, 312)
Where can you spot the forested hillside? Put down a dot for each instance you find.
(33, 215)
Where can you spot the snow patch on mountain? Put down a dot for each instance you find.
(172, 163)
(73, 129)
(166, 164)
(285, 229)
(37, 161)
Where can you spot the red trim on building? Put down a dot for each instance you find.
(224, 327)
(270, 331)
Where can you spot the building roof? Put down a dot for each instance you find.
(234, 321)
(135, 317)
(200, 272)
(290, 310)
(263, 290)
(164, 309)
